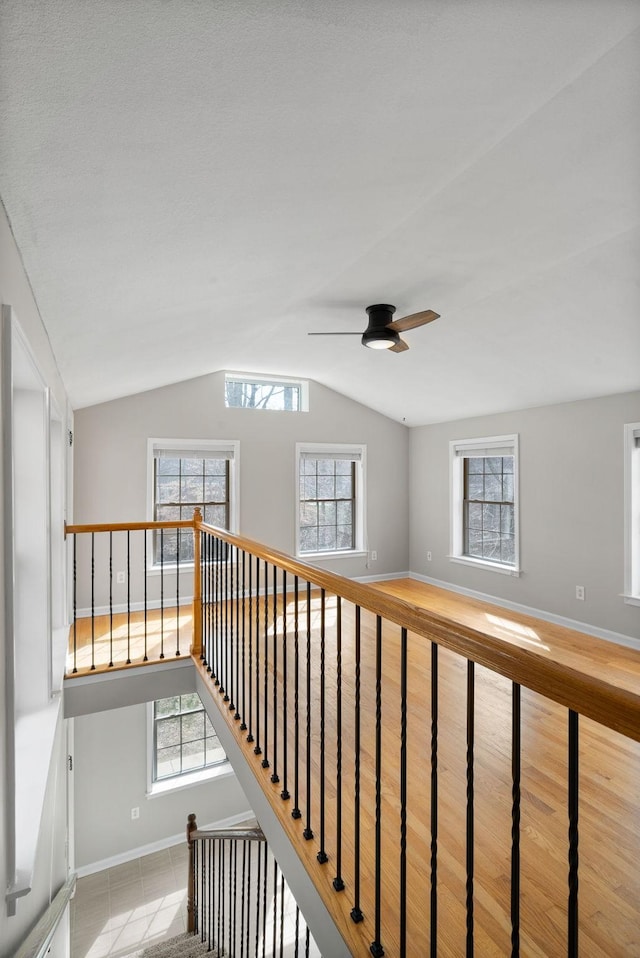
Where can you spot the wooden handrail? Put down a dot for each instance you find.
(127, 526)
(230, 834)
(612, 701)
(39, 940)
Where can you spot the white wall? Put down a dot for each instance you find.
(111, 461)
(110, 778)
(50, 857)
(571, 508)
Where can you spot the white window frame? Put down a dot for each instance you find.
(324, 450)
(458, 449)
(632, 513)
(183, 780)
(230, 447)
(262, 380)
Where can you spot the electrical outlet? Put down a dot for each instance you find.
(374, 556)
(428, 557)
(580, 592)
(135, 813)
(120, 578)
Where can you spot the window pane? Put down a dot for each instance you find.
(168, 706)
(168, 543)
(474, 515)
(192, 467)
(492, 488)
(167, 513)
(193, 755)
(168, 467)
(191, 489)
(327, 513)
(344, 512)
(215, 467)
(344, 487)
(326, 487)
(508, 550)
(310, 487)
(308, 514)
(507, 463)
(327, 540)
(216, 516)
(344, 467)
(345, 537)
(308, 540)
(491, 517)
(506, 520)
(474, 543)
(475, 487)
(475, 464)
(215, 489)
(190, 701)
(493, 465)
(168, 762)
(326, 467)
(167, 489)
(491, 546)
(507, 488)
(168, 731)
(192, 726)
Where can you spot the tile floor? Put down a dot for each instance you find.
(122, 909)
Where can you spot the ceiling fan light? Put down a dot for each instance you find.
(383, 338)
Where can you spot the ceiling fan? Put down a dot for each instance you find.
(382, 331)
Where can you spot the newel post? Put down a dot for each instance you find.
(196, 642)
(191, 879)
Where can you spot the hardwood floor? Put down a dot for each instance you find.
(609, 823)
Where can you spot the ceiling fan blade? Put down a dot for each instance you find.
(399, 347)
(413, 320)
(334, 334)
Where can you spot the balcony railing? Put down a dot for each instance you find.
(455, 776)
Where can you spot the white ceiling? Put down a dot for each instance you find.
(196, 184)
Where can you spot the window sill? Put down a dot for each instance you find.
(169, 785)
(490, 566)
(343, 554)
(631, 599)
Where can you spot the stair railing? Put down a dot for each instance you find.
(238, 901)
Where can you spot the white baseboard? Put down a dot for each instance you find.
(158, 846)
(585, 627)
(382, 577)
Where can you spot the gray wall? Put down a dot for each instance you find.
(571, 508)
(111, 461)
(50, 864)
(110, 778)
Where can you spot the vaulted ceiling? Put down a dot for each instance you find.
(197, 184)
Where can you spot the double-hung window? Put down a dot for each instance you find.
(184, 747)
(331, 510)
(183, 475)
(484, 503)
(632, 513)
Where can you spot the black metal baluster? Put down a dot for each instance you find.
(258, 882)
(212, 892)
(220, 850)
(264, 900)
(224, 682)
(93, 617)
(275, 908)
(297, 938)
(242, 886)
(338, 881)
(515, 819)
(307, 942)
(376, 948)
(161, 593)
(236, 684)
(248, 891)
(470, 802)
(284, 794)
(403, 791)
(232, 903)
(308, 833)
(206, 598)
(250, 676)
(110, 599)
(281, 915)
(257, 750)
(232, 630)
(322, 854)
(203, 889)
(433, 925)
(128, 597)
(265, 724)
(573, 803)
(243, 724)
(275, 778)
(356, 912)
(75, 604)
(196, 872)
(223, 890)
(145, 657)
(296, 813)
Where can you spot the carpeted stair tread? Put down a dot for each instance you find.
(182, 946)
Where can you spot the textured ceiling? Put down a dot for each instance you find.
(195, 184)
